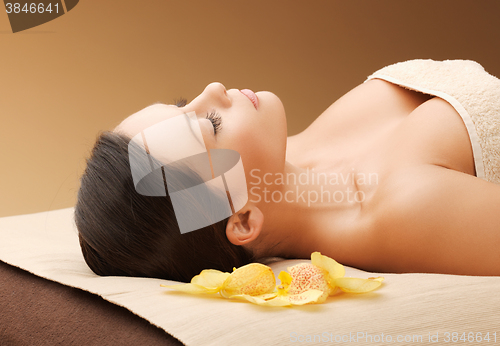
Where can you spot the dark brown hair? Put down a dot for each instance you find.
(124, 233)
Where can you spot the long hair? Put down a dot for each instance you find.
(122, 232)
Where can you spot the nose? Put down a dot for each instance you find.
(217, 93)
(214, 96)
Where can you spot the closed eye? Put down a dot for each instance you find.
(181, 102)
(216, 121)
(213, 116)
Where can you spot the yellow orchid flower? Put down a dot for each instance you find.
(304, 283)
(283, 296)
(313, 282)
(251, 279)
(334, 275)
(305, 277)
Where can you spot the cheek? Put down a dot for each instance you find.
(259, 149)
(259, 138)
(207, 131)
(246, 140)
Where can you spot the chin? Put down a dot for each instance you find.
(270, 99)
(274, 121)
(273, 110)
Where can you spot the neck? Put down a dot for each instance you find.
(295, 202)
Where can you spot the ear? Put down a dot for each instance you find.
(245, 225)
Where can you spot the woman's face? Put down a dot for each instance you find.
(256, 131)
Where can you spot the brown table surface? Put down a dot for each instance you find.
(36, 311)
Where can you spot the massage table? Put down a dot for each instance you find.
(49, 296)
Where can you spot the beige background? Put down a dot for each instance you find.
(64, 81)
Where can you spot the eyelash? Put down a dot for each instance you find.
(181, 102)
(216, 121)
(213, 116)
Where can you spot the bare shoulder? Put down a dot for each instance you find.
(374, 100)
(377, 93)
(433, 219)
(368, 108)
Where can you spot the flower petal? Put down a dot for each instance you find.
(286, 280)
(253, 279)
(334, 269)
(210, 278)
(260, 301)
(307, 297)
(355, 285)
(306, 276)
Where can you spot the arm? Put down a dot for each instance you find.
(439, 220)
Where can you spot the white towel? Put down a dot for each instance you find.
(473, 92)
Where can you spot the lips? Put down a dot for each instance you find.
(251, 96)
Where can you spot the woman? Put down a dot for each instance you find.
(387, 179)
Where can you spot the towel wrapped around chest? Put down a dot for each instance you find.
(473, 92)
